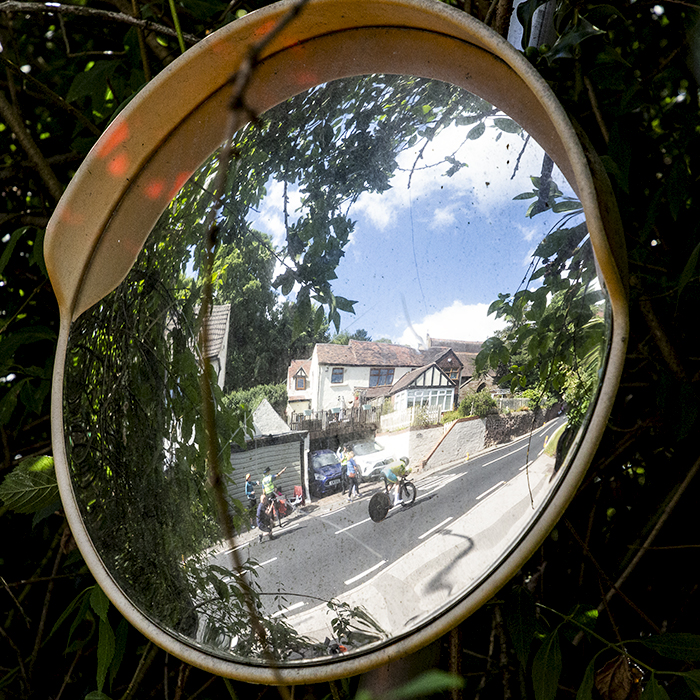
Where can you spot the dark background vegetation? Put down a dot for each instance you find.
(623, 562)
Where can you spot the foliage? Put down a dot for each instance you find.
(276, 394)
(475, 403)
(622, 73)
(345, 337)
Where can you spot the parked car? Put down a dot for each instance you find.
(371, 458)
(325, 473)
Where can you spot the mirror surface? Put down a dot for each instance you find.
(394, 210)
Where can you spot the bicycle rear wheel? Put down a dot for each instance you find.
(407, 494)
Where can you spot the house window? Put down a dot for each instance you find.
(300, 383)
(453, 373)
(337, 375)
(381, 376)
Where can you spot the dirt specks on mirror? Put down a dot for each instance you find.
(405, 302)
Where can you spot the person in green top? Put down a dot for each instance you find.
(268, 487)
(391, 475)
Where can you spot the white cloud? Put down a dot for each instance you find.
(456, 322)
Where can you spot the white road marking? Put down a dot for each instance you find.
(365, 573)
(331, 512)
(265, 563)
(493, 488)
(350, 527)
(289, 609)
(437, 527)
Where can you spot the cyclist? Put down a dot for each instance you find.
(269, 490)
(392, 474)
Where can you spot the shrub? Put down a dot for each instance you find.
(478, 404)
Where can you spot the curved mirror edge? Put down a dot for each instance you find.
(102, 353)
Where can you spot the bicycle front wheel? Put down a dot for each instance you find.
(408, 493)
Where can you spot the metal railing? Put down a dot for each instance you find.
(321, 420)
(416, 415)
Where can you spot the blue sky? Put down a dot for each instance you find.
(430, 259)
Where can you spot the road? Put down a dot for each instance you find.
(319, 557)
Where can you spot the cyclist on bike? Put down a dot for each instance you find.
(392, 474)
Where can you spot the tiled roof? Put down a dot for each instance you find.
(363, 353)
(267, 421)
(456, 345)
(217, 328)
(296, 365)
(408, 379)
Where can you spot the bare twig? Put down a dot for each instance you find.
(14, 121)
(14, 6)
(455, 659)
(239, 113)
(608, 581)
(47, 599)
(520, 155)
(149, 653)
(664, 344)
(51, 95)
(15, 601)
(596, 109)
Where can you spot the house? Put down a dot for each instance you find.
(466, 352)
(339, 377)
(216, 335)
(299, 398)
(424, 386)
(216, 346)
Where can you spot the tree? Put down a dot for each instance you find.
(622, 73)
(344, 338)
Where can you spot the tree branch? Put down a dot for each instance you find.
(13, 6)
(27, 142)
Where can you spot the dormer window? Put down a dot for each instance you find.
(300, 382)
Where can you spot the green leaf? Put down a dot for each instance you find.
(525, 12)
(679, 646)
(689, 269)
(507, 125)
(30, 486)
(692, 679)
(654, 691)
(99, 602)
(105, 652)
(428, 683)
(568, 44)
(71, 606)
(567, 205)
(97, 695)
(546, 668)
(10, 246)
(585, 691)
(521, 622)
(476, 132)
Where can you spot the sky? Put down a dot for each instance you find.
(430, 259)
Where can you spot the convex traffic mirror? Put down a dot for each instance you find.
(396, 163)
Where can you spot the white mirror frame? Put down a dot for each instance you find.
(181, 117)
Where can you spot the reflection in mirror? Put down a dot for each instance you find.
(392, 215)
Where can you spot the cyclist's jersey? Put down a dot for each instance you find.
(394, 471)
(268, 485)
